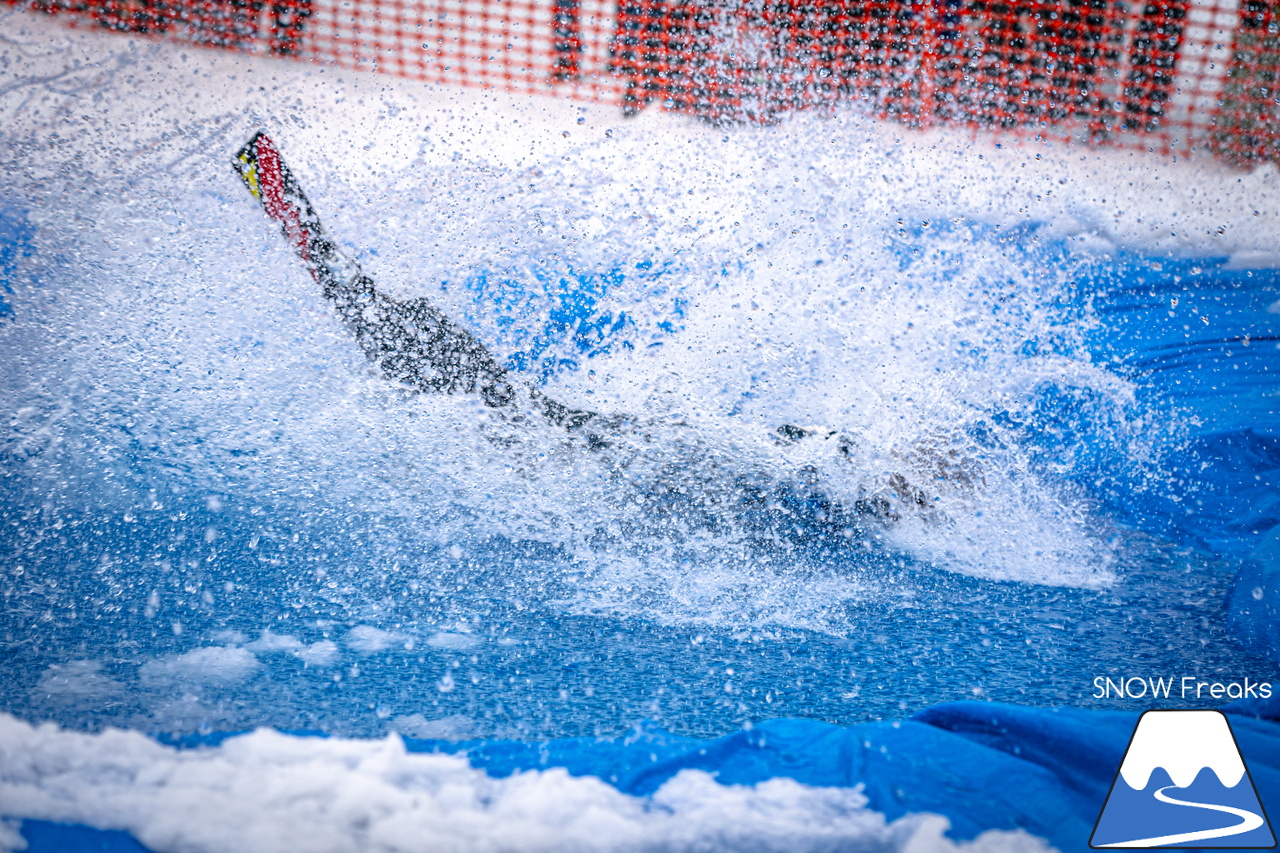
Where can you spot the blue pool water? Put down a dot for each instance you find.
(214, 517)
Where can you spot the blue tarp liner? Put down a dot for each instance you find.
(983, 765)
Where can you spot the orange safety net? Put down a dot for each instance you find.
(1174, 76)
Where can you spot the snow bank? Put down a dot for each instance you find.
(265, 792)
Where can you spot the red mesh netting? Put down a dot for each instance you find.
(1175, 77)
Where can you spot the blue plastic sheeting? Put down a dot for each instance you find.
(1202, 338)
(16, 234)
(982, 765)
(42, 835)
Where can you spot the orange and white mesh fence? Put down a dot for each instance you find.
(1197, 76)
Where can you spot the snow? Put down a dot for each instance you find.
(214, 665)
(367, 639)
(267, 792)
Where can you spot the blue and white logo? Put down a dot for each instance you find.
(1183, 783)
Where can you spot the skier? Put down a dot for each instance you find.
(414, 343)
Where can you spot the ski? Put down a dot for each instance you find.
(269, 181)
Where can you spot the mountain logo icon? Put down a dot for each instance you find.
(1182, 783)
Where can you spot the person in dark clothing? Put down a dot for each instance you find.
(288, 18)
(238, 24)
(661, 50)
(1247, 120)
(416, 345)
(134, 16)
(1152, 59)
(567, 43)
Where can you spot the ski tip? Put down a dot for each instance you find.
(246, 163)
(259, 165)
